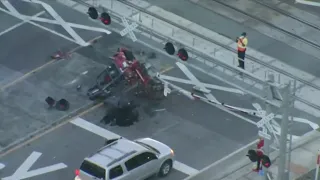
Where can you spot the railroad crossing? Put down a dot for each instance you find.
(58, 20)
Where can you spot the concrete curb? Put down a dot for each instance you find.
(310, 136)
(242, 166)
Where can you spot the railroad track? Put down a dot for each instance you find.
(288, 33)
(281, 11)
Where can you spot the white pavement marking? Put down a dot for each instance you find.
(8, 5)
(58, 20)
(39, 26)
(110, 135)
(211, 86)
(20, 24)
(94, 129)
(62, 22)
(80, 26)
(184, 168)
(196, 82)
(26, 165)
(23, 171)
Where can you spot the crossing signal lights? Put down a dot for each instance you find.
(183, 54)
(93, 13)
(169, 48)
(105, 18)
(253, 156)
(265, 161)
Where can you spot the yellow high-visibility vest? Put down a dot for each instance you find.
(243, 40)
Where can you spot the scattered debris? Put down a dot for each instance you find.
(158, 110)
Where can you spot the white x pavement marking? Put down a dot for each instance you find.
(20, 24)
(196, 82)
(58, 20)
(23, 171)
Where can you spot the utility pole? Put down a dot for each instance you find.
(267, 142)
(292, 99)
(283, 174)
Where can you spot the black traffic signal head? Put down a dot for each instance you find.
(183, 54)
(105, 18)
(93, 13)
(169, 48)
(265, 161)
(252, 155)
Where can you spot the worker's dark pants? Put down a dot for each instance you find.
(241, 56)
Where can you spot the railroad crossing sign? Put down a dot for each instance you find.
(23, 171)
(264, 123)
(58, 20)
(129, 29)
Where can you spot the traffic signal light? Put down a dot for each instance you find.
(265, 161)
(169, 48)
(105, 18)
(183, 54)
(93, 13)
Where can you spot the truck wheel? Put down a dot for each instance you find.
(165, 168)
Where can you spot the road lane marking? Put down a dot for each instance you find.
(26, 165)
(110, 135)
(184, 168)
(94, 129)
(23, 77)
(167, 69)
(23, 171)
(20, 24)
(49, 130)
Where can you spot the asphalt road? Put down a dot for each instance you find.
(26, 47)
(23, 110)
(186, 126)
(206, 17)
(190, 127)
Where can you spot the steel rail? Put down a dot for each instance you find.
(222, 45)
(212, 60)
(315, 26)
(297, 37)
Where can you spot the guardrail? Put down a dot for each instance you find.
(248, 77)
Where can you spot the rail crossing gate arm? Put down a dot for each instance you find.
(57, 20)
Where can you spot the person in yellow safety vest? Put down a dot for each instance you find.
(242, 43)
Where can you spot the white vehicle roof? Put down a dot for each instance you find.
(114, 152)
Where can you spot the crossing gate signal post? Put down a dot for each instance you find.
(182, 53)
(104, 16)
(106, 19)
